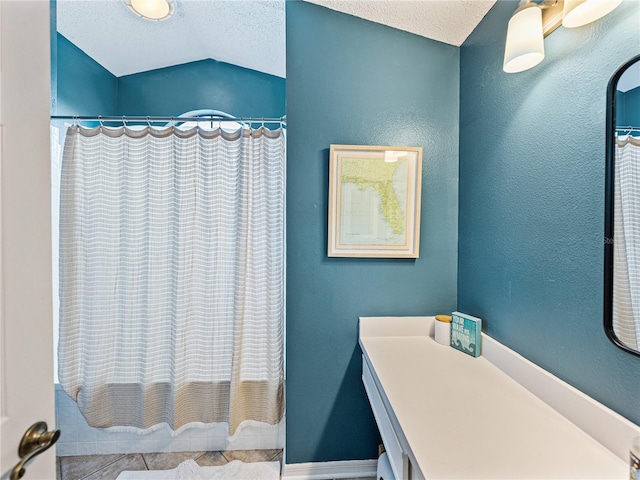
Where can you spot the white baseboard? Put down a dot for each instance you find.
(330, 470)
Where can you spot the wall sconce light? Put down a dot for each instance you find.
(156, 10)
(533, 21)
(577, 13)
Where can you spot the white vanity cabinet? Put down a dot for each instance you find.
(443, 414)
(396, 452)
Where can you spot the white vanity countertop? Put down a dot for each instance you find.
(463, 418)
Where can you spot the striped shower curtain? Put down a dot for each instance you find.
(626, 251)
(172, 276)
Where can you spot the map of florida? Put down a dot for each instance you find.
(378, 175)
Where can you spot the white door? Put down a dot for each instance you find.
(26, 351)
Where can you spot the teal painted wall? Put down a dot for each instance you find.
(621, 116)
(350, 81)
(631, 108)
(204, 84)
(532, 157)
(82, 85)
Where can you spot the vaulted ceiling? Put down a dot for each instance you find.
(248, 33)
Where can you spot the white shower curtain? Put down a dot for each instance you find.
(172, 276)
(626, 234)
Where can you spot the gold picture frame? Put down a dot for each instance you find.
(374, 201)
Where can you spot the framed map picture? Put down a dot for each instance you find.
(374, 201)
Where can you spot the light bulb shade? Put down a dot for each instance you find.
(152, 9)
(577, 13)
(524, 48)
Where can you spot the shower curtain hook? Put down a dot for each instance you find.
(148, 121)
(100, 120)
(75, 121)
(124, 121)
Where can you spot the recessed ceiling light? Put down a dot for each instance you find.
(156, 10)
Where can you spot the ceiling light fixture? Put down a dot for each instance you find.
(156, 10)
(533, 21)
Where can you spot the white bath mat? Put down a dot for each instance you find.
(190, 470)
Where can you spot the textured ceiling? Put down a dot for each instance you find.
(248, 33)
(448, 21)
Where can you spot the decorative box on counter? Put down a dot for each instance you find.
(466, 333)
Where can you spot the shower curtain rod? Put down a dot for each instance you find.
(634, 129)
(168, 119)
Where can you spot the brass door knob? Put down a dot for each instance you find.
(34, 441)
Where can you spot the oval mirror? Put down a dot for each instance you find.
(622, 209)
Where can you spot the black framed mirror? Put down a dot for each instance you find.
(622, 209)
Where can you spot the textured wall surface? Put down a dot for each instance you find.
(532, 156)
(83, 86)
(204, 84)
(350, 81)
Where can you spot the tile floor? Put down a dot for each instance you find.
(108, 467)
